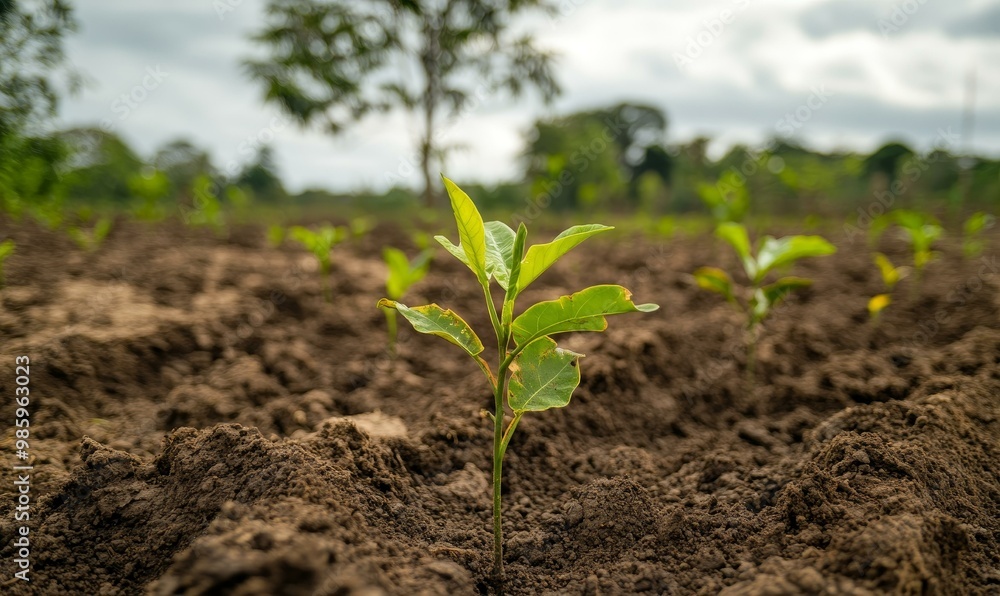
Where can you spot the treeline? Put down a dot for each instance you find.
(614, 159)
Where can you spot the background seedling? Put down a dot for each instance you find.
(403, 273)
(533, 373)
(276, 235)
(90, 240)
(891, 275)
(320, 243)
(6, 249)
(728, 199)
(758, 299)
(972, 233)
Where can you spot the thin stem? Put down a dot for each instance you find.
(751, 360)
(390, 320)
(498, 574)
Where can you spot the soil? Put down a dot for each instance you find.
(203, 422)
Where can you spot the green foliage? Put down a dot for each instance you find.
(891, 275)
(920, 230)
(972, 233)
(276, 235)
(587, 159)
(335, 62)
(533, 373)
(758, 299)
(320, 243)
(403, 273)
(206, 208)
(149, 188)
(6, 250)
(31, 58)
(728, 199)
(91, 239)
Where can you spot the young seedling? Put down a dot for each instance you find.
(276, 235)
(320, 243)
(758, 299)
(728, 199)
(90, 240)
(891, 275)
(403, 273)
(6, 249)
(533, 373)
(972, 237)
(921, 231)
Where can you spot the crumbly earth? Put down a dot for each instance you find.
(204, 423)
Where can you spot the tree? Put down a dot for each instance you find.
(100, 167)
(334, 62)
(587, 156)
(261, 177)
(886, 160)
(31, 53)
(31, 56)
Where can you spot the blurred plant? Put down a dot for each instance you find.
(403, 273)
(360, 226)
(320, 243)
(758, 299)
(6, 250)
(90, 240)
(972, 236)
(206, 209)
(150, 187)
(276, 235)
(534, 374)
(891, 275)
(728, 199)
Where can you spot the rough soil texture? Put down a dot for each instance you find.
(204, 423)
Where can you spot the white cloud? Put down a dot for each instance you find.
(759, 66)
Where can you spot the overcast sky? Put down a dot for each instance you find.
(848, 73)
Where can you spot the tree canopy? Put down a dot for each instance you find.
(332, 63)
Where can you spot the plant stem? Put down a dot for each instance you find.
(390, 320)
(497, 480)
(751, 361)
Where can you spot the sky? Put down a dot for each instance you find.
(833, 74)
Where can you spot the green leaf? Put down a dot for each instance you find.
(399, 272)
(784, 251)
(583, 311)
(499, 251)
(433, 320)
(471, 232)
(456, 251)
(715, 280)
(541, 256)
(543, 376)
(6, 249)
(517, 254)
(736, 235)
(890, 273)
(786, 285)
(878, 303)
